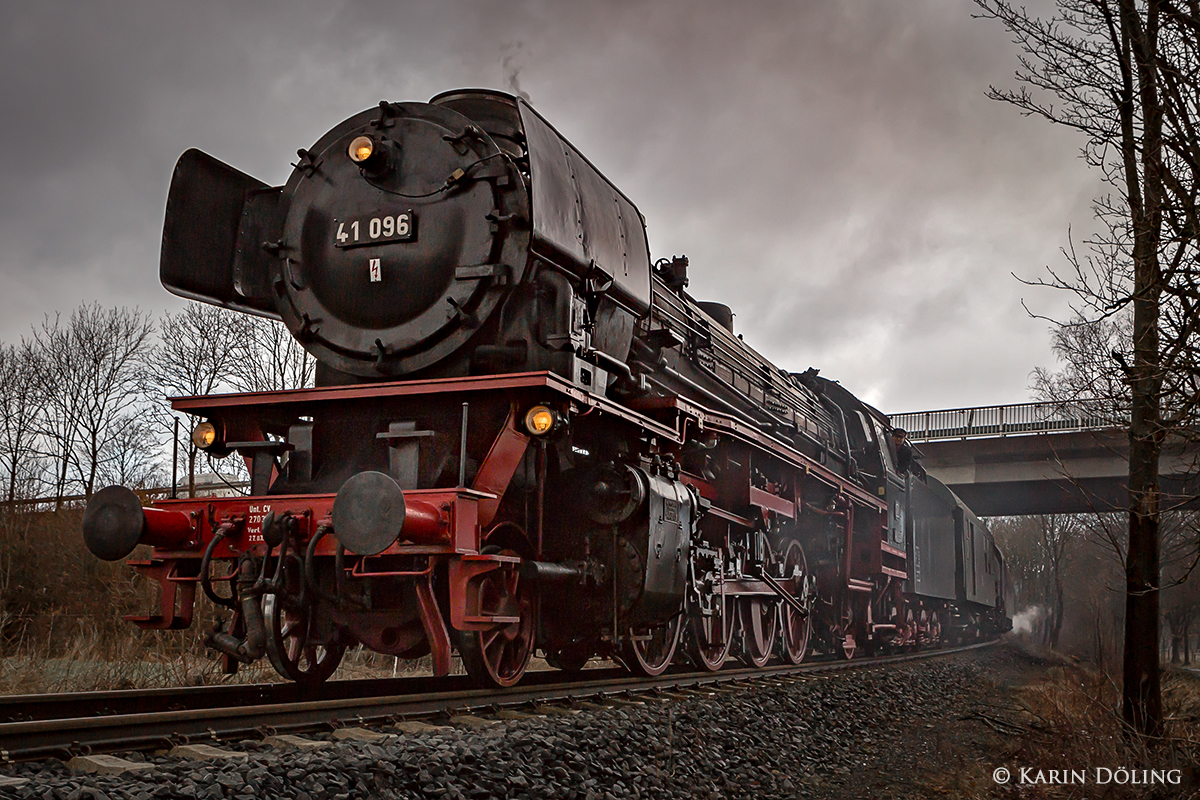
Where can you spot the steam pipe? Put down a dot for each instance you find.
(603, 359)
(254, 646)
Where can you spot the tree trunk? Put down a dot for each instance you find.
(61, 489)
(12, 477)
(1058, 608)
(1142, 695)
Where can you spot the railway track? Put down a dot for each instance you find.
(90, 723)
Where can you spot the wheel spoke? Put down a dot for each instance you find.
(487, 638)
(291, 647)
(712, 636)
(796, 626)
(499, 656)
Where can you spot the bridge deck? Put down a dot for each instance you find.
(1041, 458)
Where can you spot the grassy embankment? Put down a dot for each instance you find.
(62, 625)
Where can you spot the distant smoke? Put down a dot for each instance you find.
(1024, 621)
(513, 72)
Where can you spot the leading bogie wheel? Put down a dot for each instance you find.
(498, 657)
(291, 645)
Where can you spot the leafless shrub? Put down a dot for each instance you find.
(269, 359)
(1073, 721)
(90, 369)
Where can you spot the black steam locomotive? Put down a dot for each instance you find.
(524, 435)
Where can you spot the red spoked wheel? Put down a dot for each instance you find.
(291, 648)
(712, 636)
(498, 657)
(648, 651)
(760, 625)
(797, 627)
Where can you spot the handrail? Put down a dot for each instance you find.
(1015, 419)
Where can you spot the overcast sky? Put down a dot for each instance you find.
(833, 170)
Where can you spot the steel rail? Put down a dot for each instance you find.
(65, 738)
(63, 705)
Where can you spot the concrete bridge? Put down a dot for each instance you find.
(1040, 458)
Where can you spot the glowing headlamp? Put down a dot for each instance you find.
(204, 435)
(541, 420)
(361, 149)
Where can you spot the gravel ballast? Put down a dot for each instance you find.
(814, 736)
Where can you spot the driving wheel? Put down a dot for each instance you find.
(649, 651)
(712, 636)
(796, 626)
(760, 624)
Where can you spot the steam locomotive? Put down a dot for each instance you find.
(524, 435)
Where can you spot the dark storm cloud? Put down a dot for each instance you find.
(832, 169)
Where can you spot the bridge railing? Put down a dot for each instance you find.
(1022, 418)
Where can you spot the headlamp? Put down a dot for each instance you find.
(204, 435)
(541, 420)
(361, 149)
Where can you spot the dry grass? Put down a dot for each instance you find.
(1072, 720)
(62, 626)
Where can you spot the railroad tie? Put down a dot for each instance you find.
(287, 740)
(472, 721)
(416, 726)
(554, 711)
(105, 765)
(588, 705)
(360, 735)
(204, 752)
(512, 713)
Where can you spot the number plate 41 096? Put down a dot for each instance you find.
(367, 229)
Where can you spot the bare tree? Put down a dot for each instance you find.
(92, 366)
(1039, 551)
(269, 358)
(1181, 579)
(1088, 381)
(132, 455)
(21, 406)
(198, 352)
(1124, 73)
(1057, 535)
